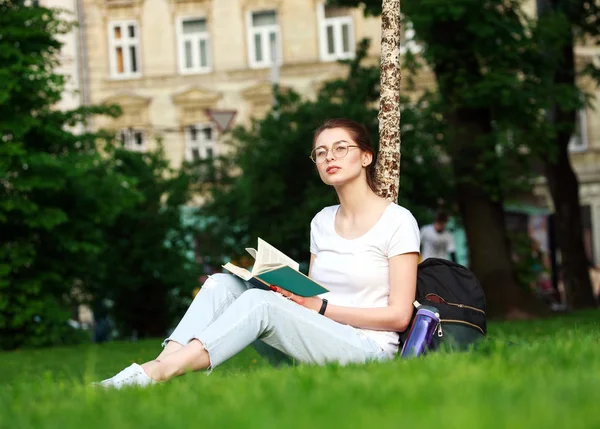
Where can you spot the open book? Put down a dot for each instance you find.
(272, 267)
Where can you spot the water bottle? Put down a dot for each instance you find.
(421, 332)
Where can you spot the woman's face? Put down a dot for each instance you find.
(338, 158)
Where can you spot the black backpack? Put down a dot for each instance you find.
(458, 296)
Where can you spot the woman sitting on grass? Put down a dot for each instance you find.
(364, 250)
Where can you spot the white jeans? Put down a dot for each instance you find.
(227, 315)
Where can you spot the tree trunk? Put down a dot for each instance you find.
(564, 189)
(388, 162)
(490, 255)
(485, 227)
(563, 183)
(482, 214)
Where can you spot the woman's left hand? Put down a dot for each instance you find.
(312, 302)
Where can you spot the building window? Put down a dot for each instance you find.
(201, 142)
(124, 45)
(579, 141)
(263, 38)
(336, 33)
(194, 52)
(133, 139)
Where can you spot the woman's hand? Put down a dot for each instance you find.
(312, 303)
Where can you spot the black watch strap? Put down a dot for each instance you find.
(323, 307)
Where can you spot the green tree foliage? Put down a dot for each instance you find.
(76, 225)
(278, 190)
(148, 273)
(566, 22)
(506, 72)
(56, 193)
(486, 59)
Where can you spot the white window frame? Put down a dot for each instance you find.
(337, 23)
(200, 144)
(125, 43)
(581, 120)
(128, 134)
(264, 32)
(195, 40)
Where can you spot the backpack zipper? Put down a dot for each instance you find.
(456, 305)
(460, 321)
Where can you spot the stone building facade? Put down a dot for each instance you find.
(182, 70)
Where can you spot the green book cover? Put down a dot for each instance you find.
(272, 267)
(292, 280)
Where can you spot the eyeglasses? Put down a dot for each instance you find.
(339, 150)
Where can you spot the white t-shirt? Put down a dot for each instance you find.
(436, 244)
(356, 271)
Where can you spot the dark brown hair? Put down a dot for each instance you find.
(441, 217)
(360, 136)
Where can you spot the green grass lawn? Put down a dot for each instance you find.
(541, 374)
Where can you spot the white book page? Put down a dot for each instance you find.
(269, 257)
(251, 251)
(240, 272)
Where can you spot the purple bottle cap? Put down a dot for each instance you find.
(427, 312)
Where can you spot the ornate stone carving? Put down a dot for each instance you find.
(194, 2)
(258, 93)
(192, 105)
(135, 110)
(260, 97)
(121, 3)
(260, 4)
(198, 7)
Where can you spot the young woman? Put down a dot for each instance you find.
(364, 251)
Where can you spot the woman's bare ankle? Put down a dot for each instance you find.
(192, 357)
(153, 370)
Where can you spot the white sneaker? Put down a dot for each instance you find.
(133, 375)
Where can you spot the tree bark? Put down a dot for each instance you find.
(388, 161)
(562, 181)
(490, 255)
(564, 188)
(487, 237)
(483, 216)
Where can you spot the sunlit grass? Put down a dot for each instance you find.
(537, 374)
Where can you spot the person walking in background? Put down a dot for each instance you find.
(436, 241)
